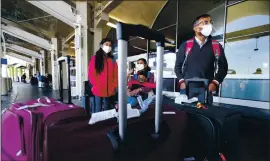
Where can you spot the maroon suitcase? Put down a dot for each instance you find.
(22, 126)
(73, 140)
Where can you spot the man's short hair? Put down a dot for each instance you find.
(199, 17)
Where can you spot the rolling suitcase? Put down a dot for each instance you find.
(212, 131)
(23, 125)
(75, 139)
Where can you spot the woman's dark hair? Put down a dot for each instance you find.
(99, 62)
(147, 68)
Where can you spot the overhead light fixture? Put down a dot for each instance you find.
(111, 24)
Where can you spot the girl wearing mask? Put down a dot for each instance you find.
(143, 75)
(103, 76)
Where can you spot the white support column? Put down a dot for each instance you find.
(64, 68)
(82, 40)
(15, 74)
(97, 38)
(54, 56)
(42, 62)
(34, 65)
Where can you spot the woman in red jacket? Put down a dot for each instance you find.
(103, 76)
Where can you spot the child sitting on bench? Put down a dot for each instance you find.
(140, 90)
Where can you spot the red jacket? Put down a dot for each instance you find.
(105, 83)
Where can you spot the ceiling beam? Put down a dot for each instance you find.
(17, 56)
(111, 5)
(69, 37)
(23, 50)
(26, 36)
(59, 9)
(28, 26)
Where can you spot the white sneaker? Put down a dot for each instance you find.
(181, 98)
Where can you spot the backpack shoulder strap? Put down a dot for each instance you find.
(148, 74)
(216, 48)
(135, 76)
(189, 46)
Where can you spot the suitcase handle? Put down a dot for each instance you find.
(46, 98)
(60, 61)
(31, 106)
(198, 80)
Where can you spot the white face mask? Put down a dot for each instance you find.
(106, 49)
(206, 30)
(139, 67)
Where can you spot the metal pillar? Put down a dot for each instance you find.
(176, 27)
(225, 22)
(82, 40)
(54, 56)
(42, 62)
(148, 51)
(122, 85)
(159, 84)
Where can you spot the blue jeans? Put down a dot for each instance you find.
(100, 103)
(133, 101)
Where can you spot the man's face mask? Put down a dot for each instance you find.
(207, 29)
(106, 49)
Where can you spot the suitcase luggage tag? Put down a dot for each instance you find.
(201, 106)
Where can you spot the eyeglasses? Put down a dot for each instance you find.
(205, 22)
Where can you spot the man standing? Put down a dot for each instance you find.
(201, 57)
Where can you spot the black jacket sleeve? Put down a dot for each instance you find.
(222, 66)
(180, 57)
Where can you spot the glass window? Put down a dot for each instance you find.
(247, 38)
(247, 51)
(217, 16)
(252, 89)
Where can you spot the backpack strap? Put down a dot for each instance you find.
(148, 75)
(216, 48)
(135, 76)
(189, 46)
(216, 51)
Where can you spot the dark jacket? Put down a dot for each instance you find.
(200, 62)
